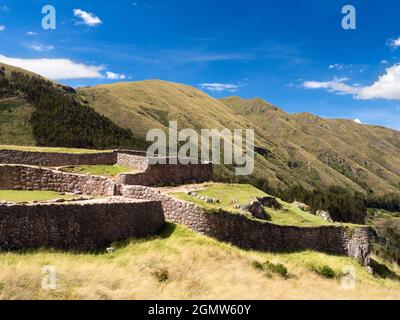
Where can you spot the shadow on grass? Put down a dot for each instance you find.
(165, 232)
(382, 271)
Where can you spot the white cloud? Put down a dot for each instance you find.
(358, 121)
(394, 43)
(87, 18)
(62, 69)
(31, 33)
(337, 85)
(386, 87)
(219, 87)
(384, 61)
(115, 76)
(39, 47)
(56, 69)
(336, 66)
(2, 27)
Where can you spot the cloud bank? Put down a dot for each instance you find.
(386, 86)
(62, 69)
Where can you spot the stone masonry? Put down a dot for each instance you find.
(77, 226)
(17, 177)
(256, 234)
(56, 159)
(84, 227)
(168, 174)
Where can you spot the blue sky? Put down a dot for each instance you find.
(294, 54)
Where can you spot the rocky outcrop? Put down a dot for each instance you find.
(203, 198)
(255, 208)
(270, 202)
(324, 215)
(301, 206)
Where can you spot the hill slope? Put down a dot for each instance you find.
(36, 111)
(299, 148)
(296, 148)
(367, 155)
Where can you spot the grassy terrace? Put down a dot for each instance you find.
(181, 264)
(226, 193)
(19, 196)
(99, 170)
(47, 149)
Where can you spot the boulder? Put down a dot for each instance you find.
(270, 202)
(255, 208)
(302, 206)
(324, 215)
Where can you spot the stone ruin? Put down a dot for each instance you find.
(135, 208)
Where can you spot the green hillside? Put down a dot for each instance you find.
(367, 155)
(293, 149)
(299, 149)
(36, 111)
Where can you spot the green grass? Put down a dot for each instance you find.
(98, 170)
(243, 193)
(15, 127)
(181, 264)
(19, 196)
(48, 149)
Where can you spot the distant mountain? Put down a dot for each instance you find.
(291, 148)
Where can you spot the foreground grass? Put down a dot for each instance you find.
(180, 264)
(99, 170)
(19, 196)
(47, 149)
(243, 193)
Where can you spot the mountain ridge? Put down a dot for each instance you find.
(298, 148)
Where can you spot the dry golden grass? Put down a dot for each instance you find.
(180, 264)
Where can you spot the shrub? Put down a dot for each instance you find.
(277, 268)
(257, 265)
(270, 267)
(387, 245)
(325, 271)
(161, 274)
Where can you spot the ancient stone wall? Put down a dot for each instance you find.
(18, 177)
(77, 226)
(149, 175)
(138, 161)
(55, 159)
(169, 174)
(259, 235)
